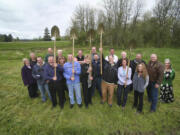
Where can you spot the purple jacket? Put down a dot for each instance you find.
(27, 77)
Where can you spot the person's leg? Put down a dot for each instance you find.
(140, 106)
(71, 93)
(59, 89)
(119, 94)
(135, 99)
(78, 93)
(99, 80)
(94, 82)
(89, 95)
(47, 90)
(149, 92)
(30, 91)
(85, 91)
(110, 93)
(42, 91)
(125, 95)
(53, 93)
(154, 95)
(104, 91)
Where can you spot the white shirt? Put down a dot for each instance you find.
(122, 76)
(115, 58)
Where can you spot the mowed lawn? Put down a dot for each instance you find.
(20, 115)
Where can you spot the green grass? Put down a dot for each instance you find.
(20, 115)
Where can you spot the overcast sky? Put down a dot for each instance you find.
(28, 18)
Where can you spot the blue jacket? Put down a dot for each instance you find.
(68, 72)
(39, 74)
(49, 72)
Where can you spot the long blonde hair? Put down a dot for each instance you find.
(144, 70)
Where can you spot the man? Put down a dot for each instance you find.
(39, 75)
(80, 57)
(109, 79)
(72, 76)
(54, 82)
(135, 62)
(32, 59)
(123, 56)
(93, 52)
(111, 53)
(96, 84)
(50, 53)
(59, 55)
(155, 71)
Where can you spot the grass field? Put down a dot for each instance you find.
(20, 115)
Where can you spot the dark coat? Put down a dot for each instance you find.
(96, 68)
(27, 77)
(32, 63)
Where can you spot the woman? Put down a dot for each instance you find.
(29, 81)
(86, 79)
(140, 82)
(166, 94)
(124, 83)
(32, 59)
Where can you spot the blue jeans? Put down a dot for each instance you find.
(43, 89)
(74, 87)
(152, 95)
(122, 91)
(96, 84)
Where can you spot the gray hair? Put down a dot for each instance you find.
(24, 60)
(167, 61)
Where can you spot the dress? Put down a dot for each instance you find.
(166, 89)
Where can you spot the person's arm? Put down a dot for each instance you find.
(24, 77)
(147, 82)
(160, 74)
(172, 75)
(47, 75)
(129, 73)
(66, 73)
(78, 71)
(34, 74)
(115, 58)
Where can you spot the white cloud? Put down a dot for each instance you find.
(28, 18)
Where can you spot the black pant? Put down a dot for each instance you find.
(56, 86)
(86, 92)
(32, 90)
(138, 100)
(122, 91)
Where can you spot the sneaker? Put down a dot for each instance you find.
(110, 105)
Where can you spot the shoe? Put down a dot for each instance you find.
(152, 111)
(86, 106)
(71, 106)
(110, 105)
(80, 105)
(134, 107)
(90, 103)
(61, 106)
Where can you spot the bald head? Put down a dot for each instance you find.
(50, 51)
(123, 54)
(153, 57)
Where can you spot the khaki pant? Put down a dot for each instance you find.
(107, 88)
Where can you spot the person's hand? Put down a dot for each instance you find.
(55, 64)
(91, 78)
(72, 78)
(127, 77)
(100, 49)
(125, 84)
(54, 78)
(73, 71)
(156, 85)
(89, 69)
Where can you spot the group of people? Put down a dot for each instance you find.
(60, 75)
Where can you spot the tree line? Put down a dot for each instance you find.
(127, 25)
(6, 38)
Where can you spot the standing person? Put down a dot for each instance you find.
(140, 82)
(166, 93)
(86, 79)
(96, 84)
(50, 53)
(29, 81)
(123, 56)
(39, 75)
(80, 57)
(73, 81)
(135, 62)
(93, 52)
(109, 79)
(54, 82)
(32, 59)
(124, 83)
(111, 53)
(155, 71)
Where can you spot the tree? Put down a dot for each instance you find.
(47, 36)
